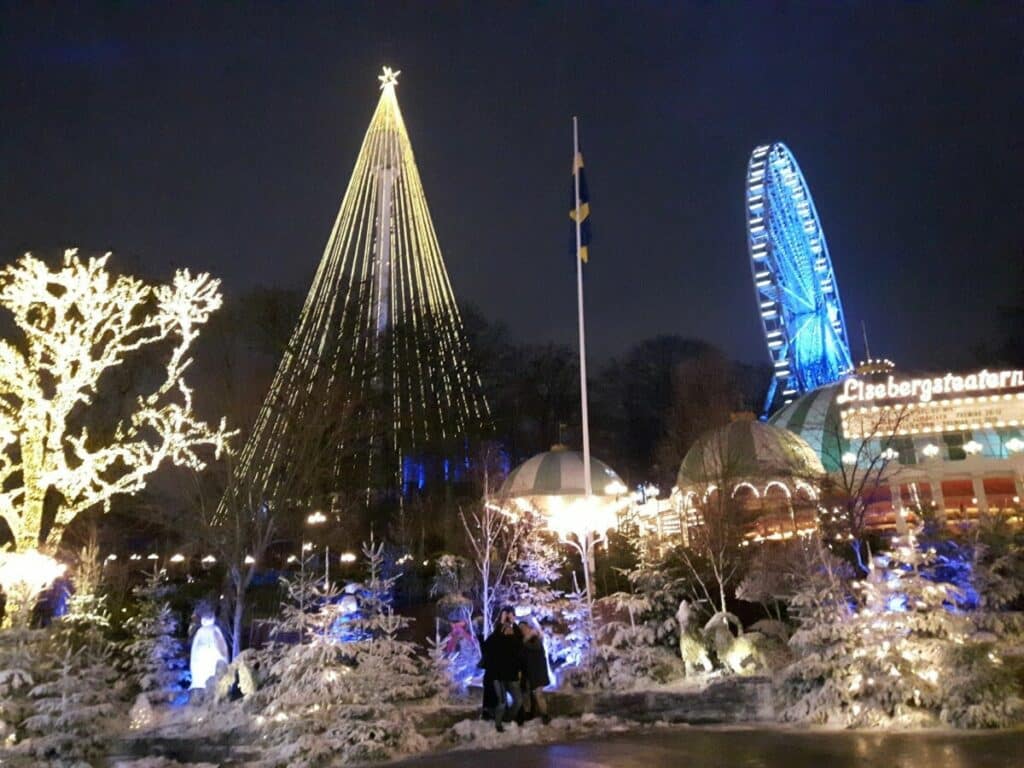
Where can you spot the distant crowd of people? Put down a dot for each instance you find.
(515, 664)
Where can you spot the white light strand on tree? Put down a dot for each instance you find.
(77, 323)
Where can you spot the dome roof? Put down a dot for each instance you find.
(559, 472)
(748, 449)
(815, 417)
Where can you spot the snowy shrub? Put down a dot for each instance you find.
(453, 581)
(629, 653)
(739, 654)
(892, 648)
(568, 649)
(981, 689)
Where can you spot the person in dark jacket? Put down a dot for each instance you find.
(535, 671)
(503, 663)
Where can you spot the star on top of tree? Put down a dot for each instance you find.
(388, 77)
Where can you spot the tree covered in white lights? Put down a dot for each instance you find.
(75, 327)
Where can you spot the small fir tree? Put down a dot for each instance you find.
(882, 651)
(19, 670)
(329, 700)
(72, 710)
(153, 658)
(76, 694)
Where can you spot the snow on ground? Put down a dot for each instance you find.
(159, 762)
(481, 734)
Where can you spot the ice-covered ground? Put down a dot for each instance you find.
(191, 728)
(765, 747)
(481, 734)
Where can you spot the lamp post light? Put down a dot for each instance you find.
(319, 518)
(583, 523)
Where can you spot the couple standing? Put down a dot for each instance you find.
(515, 666)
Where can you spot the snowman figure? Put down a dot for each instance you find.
(208, 651)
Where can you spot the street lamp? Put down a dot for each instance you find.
(583, 523)
(319, 518)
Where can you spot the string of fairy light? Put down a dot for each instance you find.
(381, 304)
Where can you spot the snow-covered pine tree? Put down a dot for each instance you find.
(86, 623)
(982, 679)
(76, 694)
(153, 658)
(72, 709)
(536, 569)
(881, 653)
(393, 667)
(327, 700)
(19, 662)
(571, 652)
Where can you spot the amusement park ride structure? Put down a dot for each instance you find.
(795, 286)
(380, 331)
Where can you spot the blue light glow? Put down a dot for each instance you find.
(796, 290)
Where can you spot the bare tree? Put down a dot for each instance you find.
(713, 556)
(862, 467)
(492, 535)
(241, 514)
(238, 527)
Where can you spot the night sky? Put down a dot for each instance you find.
(222, 137)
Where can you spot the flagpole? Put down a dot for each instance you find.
(588, 490)
(586, 535)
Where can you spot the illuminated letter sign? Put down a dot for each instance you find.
(923, 390)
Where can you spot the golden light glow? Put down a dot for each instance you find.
(23, 575)
(381, 270)
(579, 516)
(388, 78)
(77, 323)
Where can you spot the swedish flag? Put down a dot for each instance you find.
(584, 207)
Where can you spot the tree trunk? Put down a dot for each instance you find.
(26, 536)
(241, 583)
(485, 600)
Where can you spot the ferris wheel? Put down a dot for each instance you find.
(796, 290)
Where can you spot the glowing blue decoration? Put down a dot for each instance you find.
(795, 287)
(414, 472)
(348, 626)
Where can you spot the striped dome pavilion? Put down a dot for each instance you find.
(768, 474)
(559, 472)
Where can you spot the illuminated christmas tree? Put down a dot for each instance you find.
(379, 350)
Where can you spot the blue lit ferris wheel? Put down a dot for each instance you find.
(795, 286)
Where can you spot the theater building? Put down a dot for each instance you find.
(951, 443)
